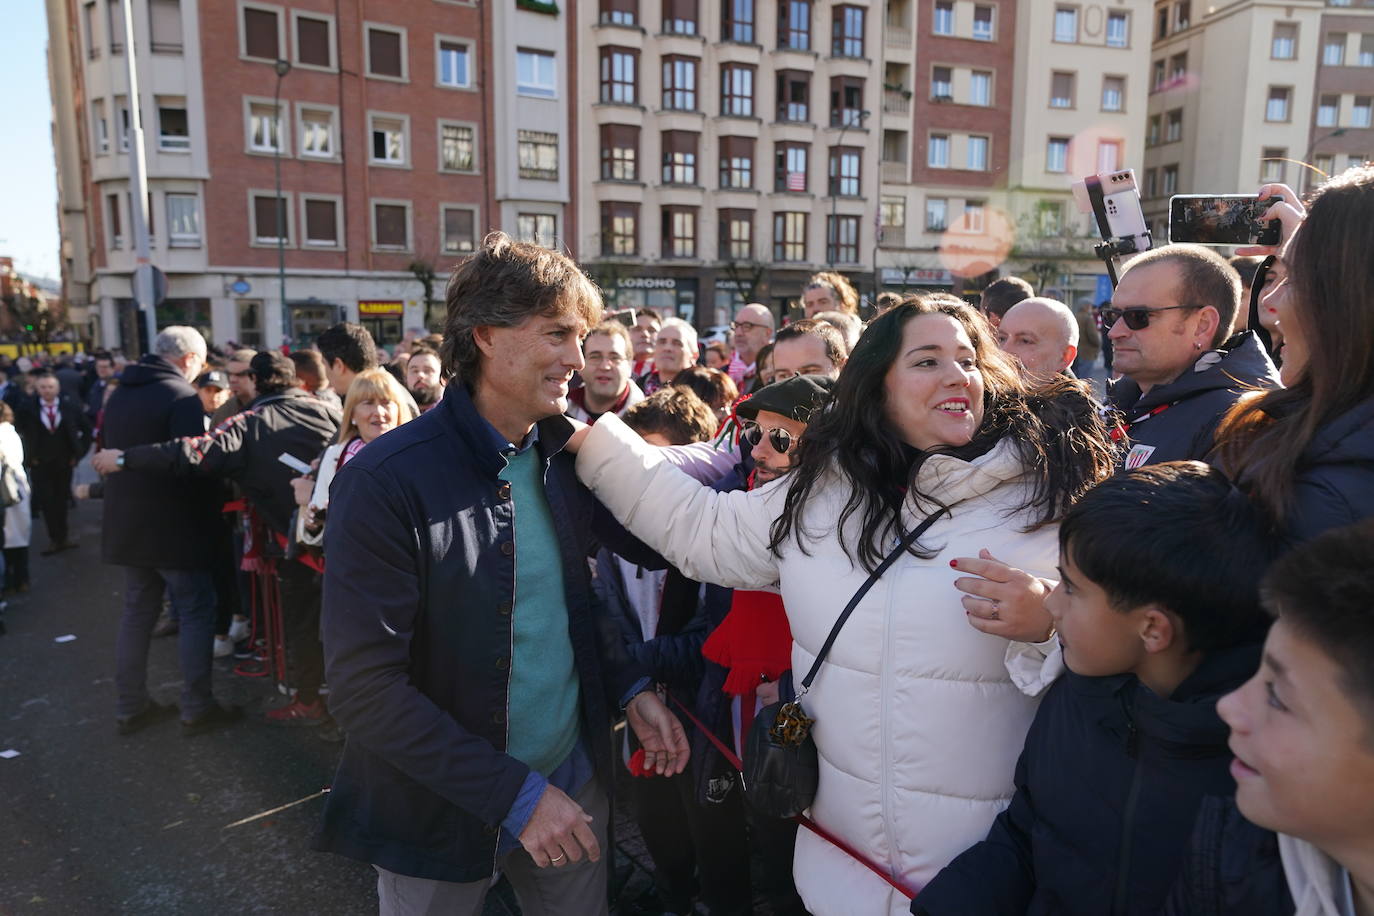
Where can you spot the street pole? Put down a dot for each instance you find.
(279, 209)
(138, 184)
(833, 247)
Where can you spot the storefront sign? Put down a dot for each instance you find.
(381, 307)
(646, 283)
(920, 276)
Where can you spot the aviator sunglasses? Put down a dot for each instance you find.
(752, 434)
(1137, 318)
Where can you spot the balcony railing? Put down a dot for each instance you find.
(895, 37)
(896, 101)
(896, 172)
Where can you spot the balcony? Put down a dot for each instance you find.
(896, 173)
(896, 101)
(896, 38)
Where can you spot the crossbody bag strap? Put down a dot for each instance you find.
(907, 540)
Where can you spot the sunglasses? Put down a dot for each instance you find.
(752, 434)
(1136, 318)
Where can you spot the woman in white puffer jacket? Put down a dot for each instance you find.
(919, 714)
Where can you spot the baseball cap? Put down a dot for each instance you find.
(215, 378)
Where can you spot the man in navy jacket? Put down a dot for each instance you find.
(467, 664)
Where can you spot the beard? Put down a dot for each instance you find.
(425, 395)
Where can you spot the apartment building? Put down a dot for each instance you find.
(726, 149)
(1244, 93)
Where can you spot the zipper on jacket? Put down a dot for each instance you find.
(1123, 864)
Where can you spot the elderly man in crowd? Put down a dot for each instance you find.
(1043, 336)
(753, 330)
(606, 383)
(675, 348)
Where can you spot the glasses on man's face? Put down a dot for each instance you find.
(746, 326)
(752, 434)
(597, 359)
(1137, 318)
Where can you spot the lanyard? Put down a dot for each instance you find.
(1120, 430)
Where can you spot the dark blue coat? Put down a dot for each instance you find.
(1108, 788)
(1232, 868)
(418, 596)
(1335, 480)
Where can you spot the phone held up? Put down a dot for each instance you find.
(1225, 219)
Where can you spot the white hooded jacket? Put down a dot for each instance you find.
(919, 716)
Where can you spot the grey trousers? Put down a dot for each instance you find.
(572, 890)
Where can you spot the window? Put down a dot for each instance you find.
(937, 214)
(619, 152)
(460, 229)
(794, 25)
(844, 171)
(102, 127)
(977, 150)
(1061, 90)
(680, 157)
(1367, 50)
(1277, 107)
(1151, 183)
(183, 220)
(164, 26)
(895, 146)
(1328, 110)
(534, 74)
(1182, 15)
(618, 69)
(680, 83)
(619, 229)
(1272, 166)
(1113, 93)
(1050, 215)
(842, 239)
(679, 232)
(973, 215)
(388, 141)
(1326, 164)
(937, 155)
(1057, 155)
(680, 17)
(391, 225)
(1065, 24)
(114, 19)
(1173, 130)
(88, 18)
(1360, 112)
(1178, 68)
(270, 225)
(1152, 130)
(736, 235)
(457, 148)
(619, 12)
(125, 125)
(455, 64)
(1333, 49)
(982, 23)
(794, 92)
(317, 133)
(261, 33)
(737, 21)
(737, 90)
(1170, 180)
(264, 128)
(537, 152)
(537, 228)
(250, 324)
(846, 101)
(314, 42)
(1108, 155)
(789, 166)
(892, 212)
(386, 52)
(1118, 29)
(942, 84)
(1157, 78)
(737, 162)
(173, 133)
(847, 32)
(116, 227)
(1285, 44)
(943, 23)
(321, 222)
(980, 88)
(789, 236)
(1355, 160)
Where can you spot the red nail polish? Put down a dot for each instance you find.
(954, 564)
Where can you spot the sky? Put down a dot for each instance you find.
(28, 172)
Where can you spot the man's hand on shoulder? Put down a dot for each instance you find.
(580, 432)
(559, 832)
(660, 732)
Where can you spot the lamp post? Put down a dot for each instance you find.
(833, 247)
(279, 209)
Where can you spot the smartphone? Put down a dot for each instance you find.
(1222, 219)
(1120, 203)
(294, 463)
(624, 316)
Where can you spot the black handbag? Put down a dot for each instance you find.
(781, 770)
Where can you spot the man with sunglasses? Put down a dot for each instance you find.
(1170, 325)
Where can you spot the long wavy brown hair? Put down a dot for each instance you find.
(1262, 439)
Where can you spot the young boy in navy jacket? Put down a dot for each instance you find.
(1158, 614)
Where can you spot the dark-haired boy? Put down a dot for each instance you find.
(1158, 614)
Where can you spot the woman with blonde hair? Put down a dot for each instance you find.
(375, 404)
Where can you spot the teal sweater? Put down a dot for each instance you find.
(544, 694)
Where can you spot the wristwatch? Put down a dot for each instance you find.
(119, 461)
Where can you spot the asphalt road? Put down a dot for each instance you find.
(96, 823)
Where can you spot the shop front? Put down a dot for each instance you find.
(383, 320)
(306, 319)
(665, 296)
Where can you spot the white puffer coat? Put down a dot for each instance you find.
(919, 717)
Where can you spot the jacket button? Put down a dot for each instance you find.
(499, 716)
(503, 608)
(503, 491)
(503, 663)
(507, 548)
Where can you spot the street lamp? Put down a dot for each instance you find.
(282, 67)
(834, 246)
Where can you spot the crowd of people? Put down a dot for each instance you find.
(1105, 650)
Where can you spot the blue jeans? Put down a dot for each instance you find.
(192, 593)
